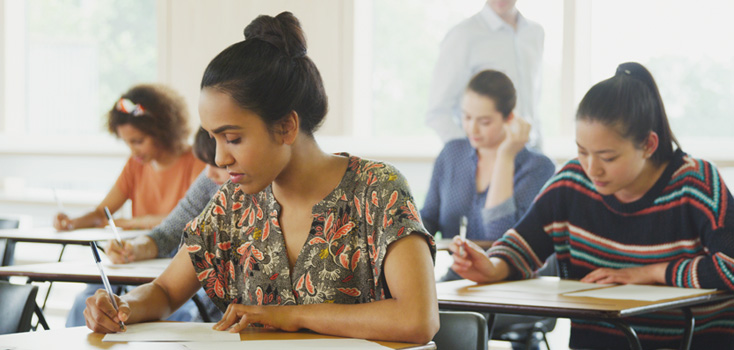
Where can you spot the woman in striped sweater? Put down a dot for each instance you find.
(632, 208)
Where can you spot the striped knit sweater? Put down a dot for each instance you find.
(686, 219)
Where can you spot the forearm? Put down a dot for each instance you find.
(148, 302)
(144, 248)
(376, 320)
(95, 218)
(502, 184)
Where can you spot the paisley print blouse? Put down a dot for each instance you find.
(238, 249)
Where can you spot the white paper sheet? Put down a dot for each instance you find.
(540, 285)
(639, 292)
(172, 331)
(307, 344)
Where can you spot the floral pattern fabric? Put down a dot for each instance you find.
(238, 249)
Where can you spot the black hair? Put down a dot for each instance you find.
(630, 102)
(270, 74)
(496, 86)
(165, 117)
(205, 147)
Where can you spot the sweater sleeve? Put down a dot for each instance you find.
(715, 269)
(527, 245)
(532, 173)
(167, 235)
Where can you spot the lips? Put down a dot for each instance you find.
(601, 183)
(236, 177)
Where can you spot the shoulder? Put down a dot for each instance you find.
(203, 186)
(529, 158)
(695, 177)
(571, 178)
(372, 170)
(464, 30)
(455, 147)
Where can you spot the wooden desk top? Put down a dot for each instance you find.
(81, 236)
(82, 338)
(459, 295)
(78, 271)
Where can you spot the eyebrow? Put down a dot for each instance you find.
(224, 128)
(598, 152)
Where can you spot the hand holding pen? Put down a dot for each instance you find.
(62, 222)
(98, 311)
(114, 228)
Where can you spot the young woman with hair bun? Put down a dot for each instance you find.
(298, 238)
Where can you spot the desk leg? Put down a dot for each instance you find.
(41, 318)
(490, 324)
(630, 334)
(51, 283)
(202, 309)
(688, 332)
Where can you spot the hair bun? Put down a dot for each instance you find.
(282, 31)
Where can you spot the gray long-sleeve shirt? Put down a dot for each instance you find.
(167, 235)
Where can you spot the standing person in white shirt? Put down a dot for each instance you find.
(499, 38)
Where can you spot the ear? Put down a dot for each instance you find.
(510, 117)
(651, 144)
(287, 129)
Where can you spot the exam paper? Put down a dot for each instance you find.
(297, 344)
(540, 285)
(640, 292)
(173, 331)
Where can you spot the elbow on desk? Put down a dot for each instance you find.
(422, 329)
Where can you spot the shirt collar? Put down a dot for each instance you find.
(495, 22)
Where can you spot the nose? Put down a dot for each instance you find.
(595, 167)
(222, 157)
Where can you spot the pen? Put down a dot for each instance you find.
(58, 201)
(114, 228)
(105, 280)
(462, 234)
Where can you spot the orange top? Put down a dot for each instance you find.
(156, 192)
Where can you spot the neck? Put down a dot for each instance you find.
(304, 179)
(487, 153)
(644, 182)
(510, 17)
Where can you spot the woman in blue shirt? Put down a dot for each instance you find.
(490, 176)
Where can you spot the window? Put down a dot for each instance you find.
(683, 44)
(68, 61)
(686, 49)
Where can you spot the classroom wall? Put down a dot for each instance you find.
(191, 33)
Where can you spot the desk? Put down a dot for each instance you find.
(81, 236)
(135, 273)
(82, 338)
(51, 235)
(457, 295)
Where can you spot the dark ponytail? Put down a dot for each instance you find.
(630, 102)
(270, 74)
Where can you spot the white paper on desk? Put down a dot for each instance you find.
(540, 285)
(640, 292)
(172, 331)
(291, 344)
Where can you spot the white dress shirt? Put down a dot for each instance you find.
(480, 42)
